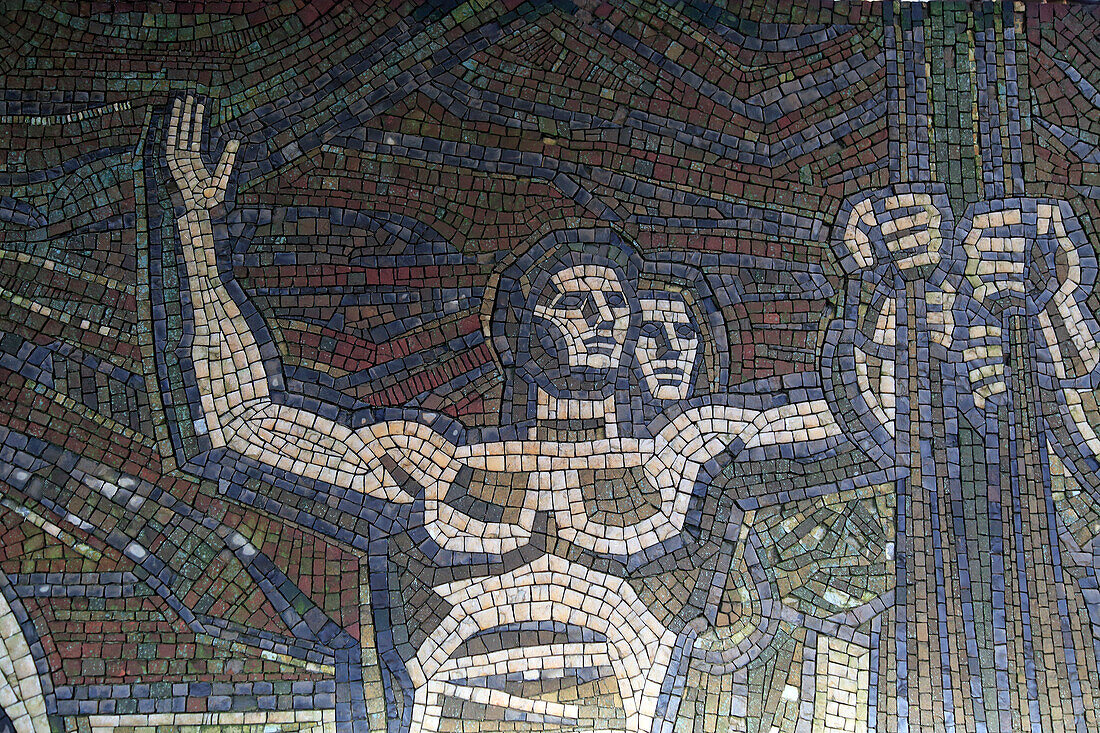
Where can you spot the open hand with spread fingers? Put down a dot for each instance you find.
(200, 188)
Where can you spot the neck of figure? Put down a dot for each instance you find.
(549, 407)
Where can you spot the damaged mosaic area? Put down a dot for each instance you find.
(549, 366)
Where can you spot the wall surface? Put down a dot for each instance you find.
(512, 365)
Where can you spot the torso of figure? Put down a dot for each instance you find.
(556, 523)
(611, 496)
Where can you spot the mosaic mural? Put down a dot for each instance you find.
(567, 365)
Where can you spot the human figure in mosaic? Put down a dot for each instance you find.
(1029, 380)
(567, 324)
(607, 386)
(882, 240)
(1003, 307)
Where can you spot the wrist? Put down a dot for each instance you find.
(197, 241)
(193, 213)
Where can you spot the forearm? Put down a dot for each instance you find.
(1069, 335)
(795, 423)
(303, 444)
(708, 429)
(229, 371)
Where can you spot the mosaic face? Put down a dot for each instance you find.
(668, 345)
(587, 309)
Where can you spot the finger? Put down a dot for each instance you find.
(225, 165)
(196, 130)
(185, 126)
(174, 125)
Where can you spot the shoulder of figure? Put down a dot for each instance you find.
(414, 425)
(708, 414)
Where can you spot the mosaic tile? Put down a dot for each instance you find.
(549, 366)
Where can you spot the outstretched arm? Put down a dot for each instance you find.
(715, 428)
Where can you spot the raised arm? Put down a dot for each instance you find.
(228, 366)
(237, 409)
(1030, 260)
(889, 243)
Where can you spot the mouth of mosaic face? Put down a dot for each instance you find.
(669, 374)
(667, 366)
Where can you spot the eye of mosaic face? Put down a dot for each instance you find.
(686, 330)
(588, 303)
(569, 301)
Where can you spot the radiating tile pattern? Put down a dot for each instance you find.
(549, 366)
